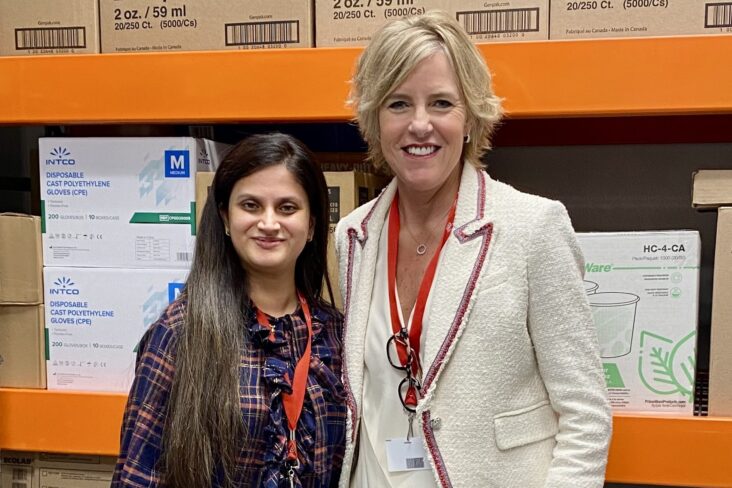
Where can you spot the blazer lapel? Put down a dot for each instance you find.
(363, 247)
(464, 256)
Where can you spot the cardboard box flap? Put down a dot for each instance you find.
(711, 188)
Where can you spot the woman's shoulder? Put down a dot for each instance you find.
(514, 203)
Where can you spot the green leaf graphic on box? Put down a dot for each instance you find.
(683, 361)
(665, 368)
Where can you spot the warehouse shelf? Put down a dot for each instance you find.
(662, 76)
(588, 79)
(59, 421)
(671, 451)
(675, 451)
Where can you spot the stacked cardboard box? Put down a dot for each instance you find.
(46, 470)
(46, 27)
(179, 25)
(353, 22)
(22, 340)
(712, 189)
(118, 236)
(638, 18)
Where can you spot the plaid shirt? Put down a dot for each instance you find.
(266, 367)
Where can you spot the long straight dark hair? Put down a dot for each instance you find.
(204, 431)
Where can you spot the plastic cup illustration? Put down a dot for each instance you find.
(614, 314)
(590, 287)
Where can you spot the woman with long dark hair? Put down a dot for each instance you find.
(238, 382)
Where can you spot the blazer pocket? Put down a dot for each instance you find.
(525, 426)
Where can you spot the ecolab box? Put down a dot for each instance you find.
(17, 469)
(74, 470)
(180, 25)
(643, 290)
(41, 27)
(95, 318)
(638, 18)
(121, 202)
(353, 23)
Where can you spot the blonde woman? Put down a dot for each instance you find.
(470, 351)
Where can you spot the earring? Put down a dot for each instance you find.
(466, 139)
(226, 231)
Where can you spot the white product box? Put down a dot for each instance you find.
(121, 202)
(643, 290)
(95, 318)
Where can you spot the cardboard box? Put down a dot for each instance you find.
(22, 346)
(74, 471)
(584, 19)
(346, 191)
(711, 188)
(203, 183)
(179, 25)
(643, 290)
(21, 258)
(48, 470)
(720, 351)
(95, 318)
(353, 23)
(121, 202)
(17, 469)
(31, 27)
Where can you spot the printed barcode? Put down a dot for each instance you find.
(500, 21)
(718, 15)
(50, 37)
(20, 474)
(280, 32)
(415, 463)
(183, 256)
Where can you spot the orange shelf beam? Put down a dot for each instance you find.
(675, 75)
(55, 421)
(673, 451)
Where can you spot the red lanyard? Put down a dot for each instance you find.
(415, 331)
(293, 401)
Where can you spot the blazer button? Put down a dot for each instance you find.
(436, 423)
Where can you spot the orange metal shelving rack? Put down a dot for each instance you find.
(684, 75)
(674, 451)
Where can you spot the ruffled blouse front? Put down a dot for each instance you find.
(266, 365)
(320, 434)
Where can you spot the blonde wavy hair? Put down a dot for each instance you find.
(395, 50)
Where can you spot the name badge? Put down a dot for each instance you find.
(406, 455)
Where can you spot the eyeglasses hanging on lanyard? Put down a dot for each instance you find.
(406, 344)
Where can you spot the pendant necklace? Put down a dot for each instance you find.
(422, 246)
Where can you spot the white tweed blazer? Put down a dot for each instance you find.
(513, 390)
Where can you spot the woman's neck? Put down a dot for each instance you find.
(273, 295)
(422, 207)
